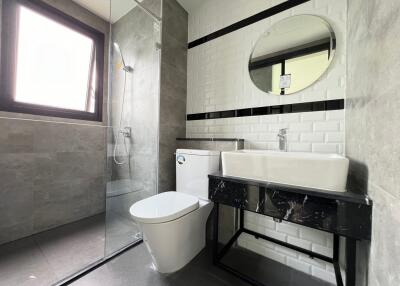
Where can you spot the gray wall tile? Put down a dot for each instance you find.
(52, 169)
(154, 6)
(173, 87)
(137, 34)
(50, 175)
(372, 119)
(16, 208)
(175, 18)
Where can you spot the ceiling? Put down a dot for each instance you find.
(121, 7)
(190, 5)
(102, 8)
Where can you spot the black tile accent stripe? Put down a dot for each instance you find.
(325, 105)
(248, 21)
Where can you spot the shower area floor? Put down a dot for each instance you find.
(51, 256)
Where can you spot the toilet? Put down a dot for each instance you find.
(174, 223)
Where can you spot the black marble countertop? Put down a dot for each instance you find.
(344, 213)
(348, 196)
(211, 139)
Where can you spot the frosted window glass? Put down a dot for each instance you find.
(53, 63)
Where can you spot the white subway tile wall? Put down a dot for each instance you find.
(260, 132)
(218, 79)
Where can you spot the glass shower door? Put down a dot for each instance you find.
(132, 137)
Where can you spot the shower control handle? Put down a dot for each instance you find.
(126, 132)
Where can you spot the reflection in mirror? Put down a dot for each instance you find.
(292, 55)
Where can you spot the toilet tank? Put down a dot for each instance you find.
(192, 170)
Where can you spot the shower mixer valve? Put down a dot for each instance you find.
(126, 132)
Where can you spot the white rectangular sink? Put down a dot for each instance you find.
(320, 171)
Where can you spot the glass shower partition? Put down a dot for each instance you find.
(133, 116)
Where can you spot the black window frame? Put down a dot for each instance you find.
(9, 37)
(282, 57)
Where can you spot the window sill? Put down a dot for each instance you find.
(53, 119)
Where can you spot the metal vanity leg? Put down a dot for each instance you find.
(336, 266)
(241, 218)
(351, 252)
(215, 234)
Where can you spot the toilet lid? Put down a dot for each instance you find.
(163, 207)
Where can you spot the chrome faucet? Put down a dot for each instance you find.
(282, 135)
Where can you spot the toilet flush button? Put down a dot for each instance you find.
(180, 159)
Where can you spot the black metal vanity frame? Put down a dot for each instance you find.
(341, 214)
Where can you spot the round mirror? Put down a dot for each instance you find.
(292, 55)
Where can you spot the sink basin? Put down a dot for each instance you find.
(320, 171)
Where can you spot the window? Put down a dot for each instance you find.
(313, 57)
(315, 64)
(51, 64)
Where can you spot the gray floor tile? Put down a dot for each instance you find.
(120, 232)
(134, 268)
(268, 271)
(70, 248)
(50, 256)
(23, 264)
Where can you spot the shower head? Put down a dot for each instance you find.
(118, 49)
(125, 67)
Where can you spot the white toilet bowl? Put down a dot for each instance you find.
(174, 223)
(173, 226)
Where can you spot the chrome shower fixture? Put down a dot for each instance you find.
(125, 67)
(126, 132)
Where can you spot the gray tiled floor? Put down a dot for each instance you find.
(50, 256)
(134, 268)
(120, 232)
(70, 248)
(23, 263)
